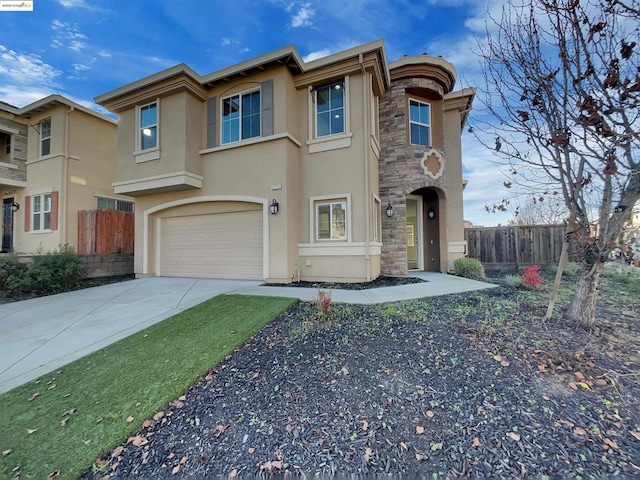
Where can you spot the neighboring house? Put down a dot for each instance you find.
(280, 169)
(56, 158)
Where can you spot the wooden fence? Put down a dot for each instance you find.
(105, 231)
(518, 245)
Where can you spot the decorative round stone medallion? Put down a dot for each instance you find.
(433, 164)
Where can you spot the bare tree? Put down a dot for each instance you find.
(539, 210)
(563, 92)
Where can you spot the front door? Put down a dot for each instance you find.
(414, 233)
(7, 225)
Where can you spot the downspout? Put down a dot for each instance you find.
(365, 141)
(64, 199)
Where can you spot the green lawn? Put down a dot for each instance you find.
(106, 396)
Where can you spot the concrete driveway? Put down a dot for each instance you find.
(40, 335)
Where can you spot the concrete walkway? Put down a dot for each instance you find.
(40, 335)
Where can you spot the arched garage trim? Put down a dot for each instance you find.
(208, 198)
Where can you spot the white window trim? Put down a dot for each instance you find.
(221, 107)
(420, 123)
(33, 213)
(313, 202)
(328, 142)
(42, 138)
(149, 153)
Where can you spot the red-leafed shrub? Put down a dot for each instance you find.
(324, 302)
(531, 277)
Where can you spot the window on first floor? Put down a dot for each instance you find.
(115, 204)
(45, 137)
(41, 212)
(331, 220)
(148, 126)
(330, 109)
(241, 116)
(419, 122)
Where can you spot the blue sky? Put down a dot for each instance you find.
(83, 48)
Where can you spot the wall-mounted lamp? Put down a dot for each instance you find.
(389, 210)
(274, 207)
(15, 207)
(431, 213)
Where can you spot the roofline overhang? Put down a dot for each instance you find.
(55, 99)
(287, 56)
(439, 62)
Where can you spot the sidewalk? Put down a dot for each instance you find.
(40, 335)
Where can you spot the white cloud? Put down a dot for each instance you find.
(22, 95)
(316, 55)
(67, 33)
(72, 3)
(25, 69)
(304, 16)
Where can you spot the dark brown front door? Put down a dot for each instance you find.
(7, 225)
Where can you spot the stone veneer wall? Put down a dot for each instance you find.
(400, 171)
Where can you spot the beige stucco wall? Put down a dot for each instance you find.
(80, 167)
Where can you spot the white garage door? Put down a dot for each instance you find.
(221, 245)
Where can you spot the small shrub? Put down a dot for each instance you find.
(56, 272)
(572, 269)
(468, 267)
(324, 302)
(530, 276)
(13, 275)
(513, 281)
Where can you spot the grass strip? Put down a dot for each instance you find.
(65, 420)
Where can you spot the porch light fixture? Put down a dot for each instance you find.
(15, 207)
(389, 210)
(274, 207)
(431, 213)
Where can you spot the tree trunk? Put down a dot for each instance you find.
(582, 308)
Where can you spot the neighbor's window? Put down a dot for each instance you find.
(7, 145)
(331, 221)
(45, 137)
(419, 122)
(115, 204)
(330, 105)
(241, 116)
(41, 212)
(149, 126)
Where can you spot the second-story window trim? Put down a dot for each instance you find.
(330, 109)
(419, 122)
(148, 126)
(45, 137)
(241, 115)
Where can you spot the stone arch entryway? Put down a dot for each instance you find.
(424, 229)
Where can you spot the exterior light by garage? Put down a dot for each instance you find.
(431, 213)
(389, 210)
(274, 207)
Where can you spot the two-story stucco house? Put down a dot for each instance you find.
(56, 158)
(340, 169)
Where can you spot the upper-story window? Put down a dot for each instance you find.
(45, 137)
(330, 109)
(241, 116)
(419, 123)
(148, 126)
(5, 145)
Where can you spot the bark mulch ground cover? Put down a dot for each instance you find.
(471, 384)
(381, 281)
